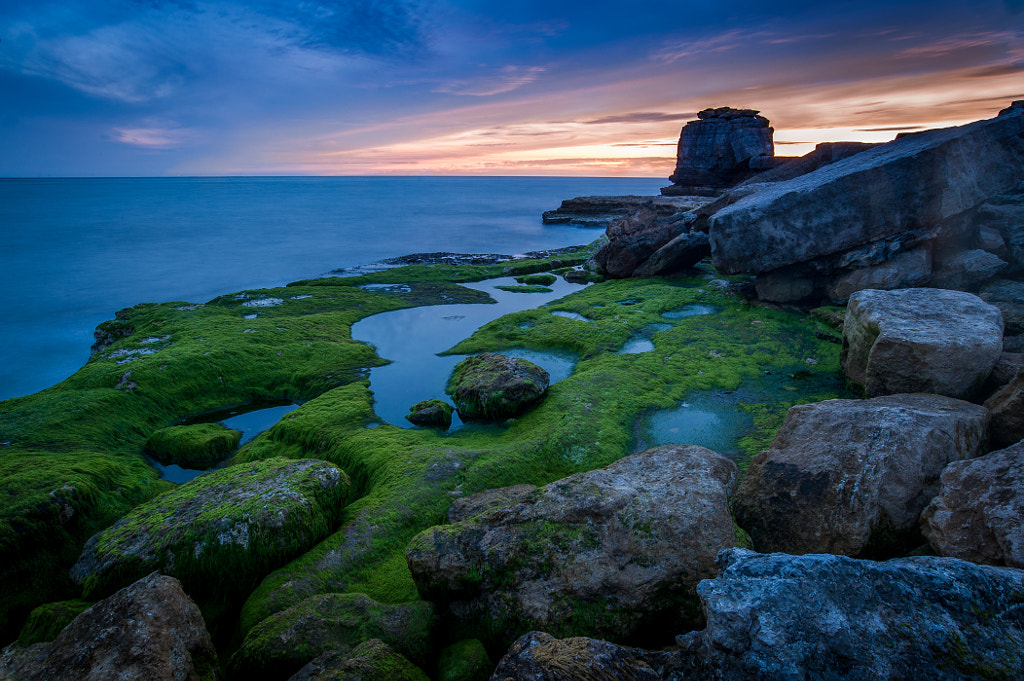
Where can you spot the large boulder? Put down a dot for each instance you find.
(978, 514)
(723, 147)
(1007, 407)
(645, 244)
(921, 340)
(148, 631)
(540, 656)
(282, 644)
(605, 553)
(914, 183)
(967, 270)
(221, 532)
(369, 660)
(849, 476)
(777, 616)
(493, 387)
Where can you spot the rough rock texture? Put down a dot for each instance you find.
(978, 514)
(1003, 372)
(915, 182)
(489, 386)
(846, 476)
(431, 413)
(644, 244)
(599, 211)
(723, 147)
(906, 269)
(221, 532)
(538, 656)
(368, 661)
(286, 641)
(967, 270)
(1008, 296)
(603, 553)
(830, 617)
(1007, 407)
(1004, 215)
(921, 340)
(465, 508)
(149, 631)
(197, 446)
(824, 154)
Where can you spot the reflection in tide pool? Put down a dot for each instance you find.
(695, 310)
(715, 421)
(411, 339)
(641, 340)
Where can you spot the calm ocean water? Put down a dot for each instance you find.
(74, 251)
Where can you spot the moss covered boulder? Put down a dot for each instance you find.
(46, 621)
(494, 387)
(371, 659)
(196, 446)
(465, 661)
(281, 644)
(613, 553)
(537, 279)
(223, 531)
(430, 413)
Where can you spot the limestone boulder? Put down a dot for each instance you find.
(906, 269)
(538, 655)
(493, 387)
(636, 238)
(967, 270)
(978, 514)
(921, 340)
(723, 147)
(221, 532)
(148, 631)
(282, 644)
(831, 617)
(603, 553)
(914, 182)
(852, 476)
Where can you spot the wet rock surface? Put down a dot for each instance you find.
(220, 532)
(849, 476)
(331, 623)
(149, 631)
(493, 387)
(829, 617)
(603, 553)
(977, 514)
(921, 340)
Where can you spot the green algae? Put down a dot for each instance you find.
(537, 279)
(194, 446)
(465, 660)
(46, 621)
(524, 289)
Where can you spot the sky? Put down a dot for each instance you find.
(475, 87)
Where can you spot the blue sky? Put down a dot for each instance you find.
(188, 87)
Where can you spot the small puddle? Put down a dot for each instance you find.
(695, 310)
(713, 420)
(570, 315)
(251, 419)
(641, 340)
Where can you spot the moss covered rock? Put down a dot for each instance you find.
(221, 532)
(196, 446)
(281, 644)
(465, 661)
(537, 279)
(431, 413)
(46, 621)
(371, 659)
(494, 387)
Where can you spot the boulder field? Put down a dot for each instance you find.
(547, 542)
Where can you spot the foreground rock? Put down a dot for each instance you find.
(431, 414)
(221, 532)
(149, 631)
(852, 476)
(645, 245)
(538, 655)
(282, 644)
(604, 553)
(978, 514)
(371, 659)
(493, 387)
(830, 617)
(921, 340)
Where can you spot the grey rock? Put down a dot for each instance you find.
(148, 631)
(538, 656)
(850, 476)
(631, 541)
(779, 617)
(977, 514)
(921, 340)
(824, 154)
(492, 387)
(678, 255)
(915, 181)
(599, 211)
(783, 286)
(1008, 296)
(723, 147)
(989, 239)
(906, 269)
(967, 270)
(1007, 407)
(481, 502)
(634, 239)
(1004, 371)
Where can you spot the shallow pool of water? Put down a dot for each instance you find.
(642, 341)
(570, 315)
(411, 339)
(713, 420)
(695, 310)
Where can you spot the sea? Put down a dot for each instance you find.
(74, 251)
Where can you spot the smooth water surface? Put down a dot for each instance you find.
(411, 339)
(642, 341)
(695, 310)
(713, 420)
(74, 251)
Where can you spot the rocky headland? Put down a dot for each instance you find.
(859, 309)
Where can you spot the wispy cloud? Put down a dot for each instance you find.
(499, 81)
(155, 136)
(642, 117)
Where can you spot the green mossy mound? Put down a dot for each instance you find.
(465, 661)
(524, 289)
(220, 533)
(537, 279)
(371, 659)
(46, 621)
(280, 645)
(431, 413)
(492, 387)
(197, 446)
